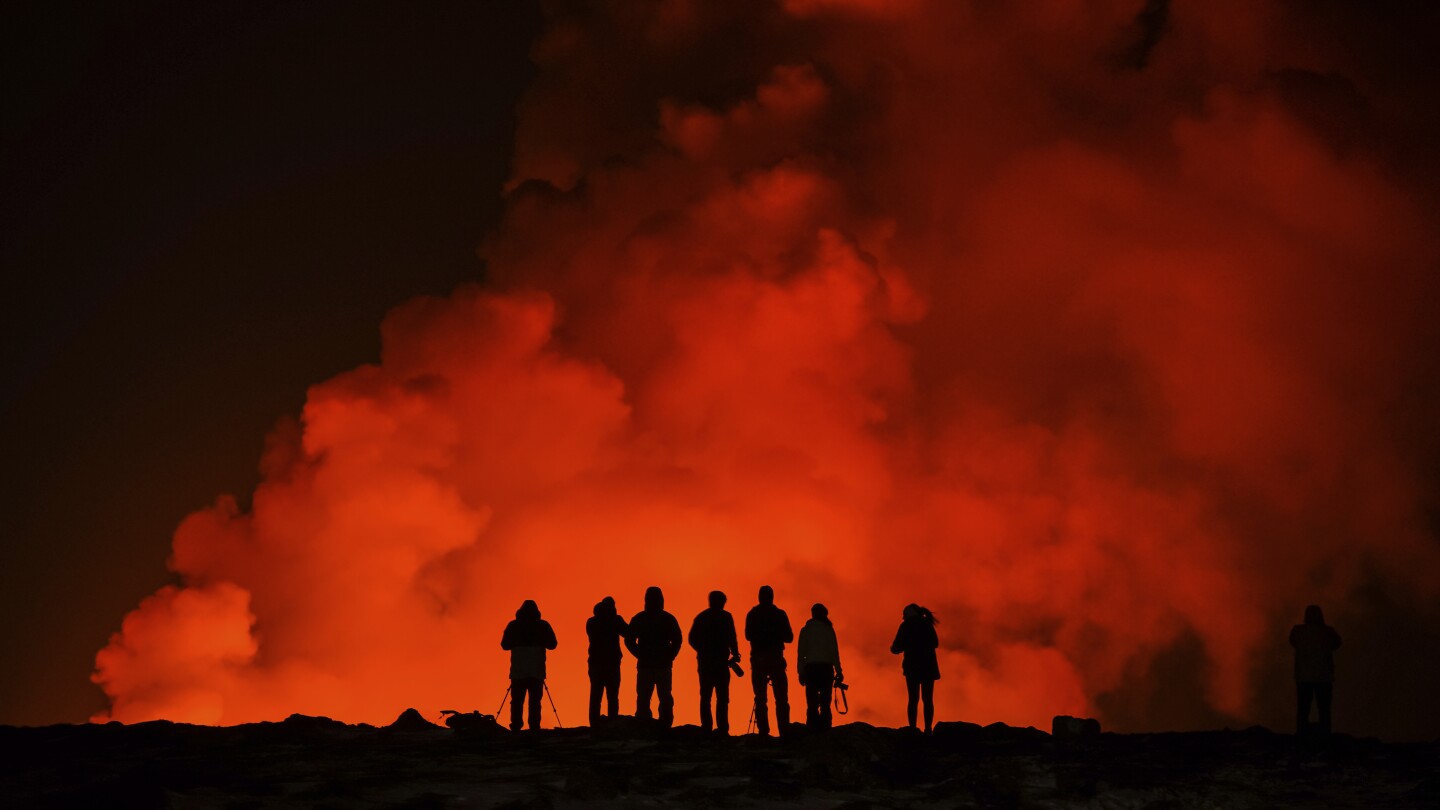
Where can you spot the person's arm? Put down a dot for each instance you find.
(750, 625)
(550, 641)
(632, 639)
(788, 635)
(1295, 636)
(731, 639)
(802, 652)
(839, 670)
(694, 637)
(507, 639)
(898, 645)
(934, 638)
(1334, 639)
(676, 640)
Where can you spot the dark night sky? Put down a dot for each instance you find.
(207, 208)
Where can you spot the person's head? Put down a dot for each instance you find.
(819, 611)
(717, 599)
(913, 612)
(654, 598)
(605, 607)
(1313, 615)
(767, 595)
(528, 610)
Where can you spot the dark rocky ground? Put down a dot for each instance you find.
(314, 762)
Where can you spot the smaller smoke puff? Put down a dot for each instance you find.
(1066, 323)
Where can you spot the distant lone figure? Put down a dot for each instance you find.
(654, 640)
(527, 638)
(917, 640)
(767, 628)
(605, 630)
(712, 636)
(818, 661)
(1315, 643)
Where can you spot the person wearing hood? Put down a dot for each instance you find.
(654, 640)
(1315, 643)
(818, 660)
(605, 630)
(917, 640)
(712, 636)
(767, 628)
(527, 638)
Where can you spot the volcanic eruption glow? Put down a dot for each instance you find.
(1066, 320)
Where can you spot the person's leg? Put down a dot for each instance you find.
(759, 675)
(1323, 693)
(597, 688)
(537, 696)
(912, 697)
(707, 686)
(612, 692)
(667, 698)
(644, 685)
(815, 681)
(517, 704)
(927, 692)
(722, 702)
(780, 681)
(1304, 693)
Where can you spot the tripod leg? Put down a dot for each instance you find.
(558, 724)
(503, 698)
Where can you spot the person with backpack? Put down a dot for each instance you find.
(767, 628)
(917, 640)
(654, 640)
(605, 630)
(527, 638)
(712, 636)
(818, 660)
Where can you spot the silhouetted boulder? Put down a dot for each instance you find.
(625, 727)
(306, 722)
(1066, 727)
(411, 720)
(958, 732)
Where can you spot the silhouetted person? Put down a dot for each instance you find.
(1315, 643)
(918, 641)
(818, 660)
(654, 640)
(712, 636)
(767, 628)
(605, 630)
(527, 638)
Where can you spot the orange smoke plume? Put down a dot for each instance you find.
(1082, 324)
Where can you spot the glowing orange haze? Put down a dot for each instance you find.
(1085, 347)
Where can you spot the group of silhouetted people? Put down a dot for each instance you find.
(654, 638)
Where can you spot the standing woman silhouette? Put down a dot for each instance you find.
(918, 641)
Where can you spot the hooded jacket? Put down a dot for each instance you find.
(527, 638)
(712, 636)
(655, 637)
(605, 630)
(767, 628)
(1315, 643)
(818, 645)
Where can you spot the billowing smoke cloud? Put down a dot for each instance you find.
(1098, 328)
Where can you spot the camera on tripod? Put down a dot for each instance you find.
(840, 683)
